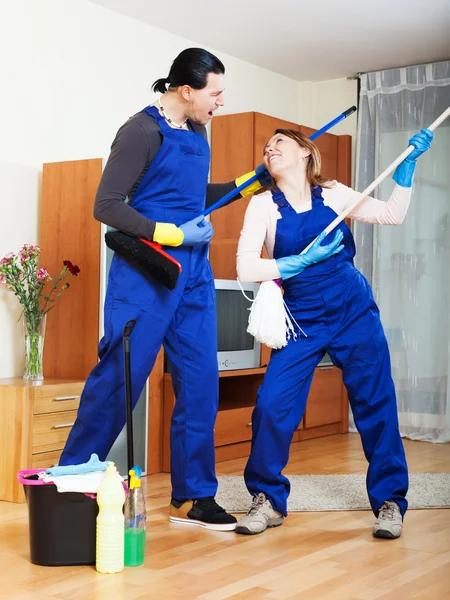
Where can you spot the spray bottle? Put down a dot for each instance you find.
(135, 521)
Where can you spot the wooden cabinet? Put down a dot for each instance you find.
(69, 231)
(324, 406)
(35, 422)
(233, 428)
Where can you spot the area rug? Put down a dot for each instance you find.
(337, 492)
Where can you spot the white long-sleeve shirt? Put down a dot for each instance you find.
(260, 224)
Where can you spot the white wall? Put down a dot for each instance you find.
(321, 102)
(71, 74)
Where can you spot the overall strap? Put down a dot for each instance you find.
(279, 198)
(316, 195)
(154, 112)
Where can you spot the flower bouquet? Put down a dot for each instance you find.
(36, 291)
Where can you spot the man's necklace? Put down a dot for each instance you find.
(168, 119)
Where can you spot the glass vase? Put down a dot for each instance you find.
(34, 331)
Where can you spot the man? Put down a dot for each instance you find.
(160, 161)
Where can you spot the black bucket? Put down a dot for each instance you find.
(62, 525)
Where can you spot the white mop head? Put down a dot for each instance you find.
(270, 320)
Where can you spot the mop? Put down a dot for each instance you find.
(270, 321)
(150, 258)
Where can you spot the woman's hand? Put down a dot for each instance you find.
(289, 266)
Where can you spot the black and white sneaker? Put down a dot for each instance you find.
(203, 512)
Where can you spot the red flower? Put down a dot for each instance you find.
(73, 269)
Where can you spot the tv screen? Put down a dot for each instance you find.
(232, 320)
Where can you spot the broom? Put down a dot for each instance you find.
(149, 257)
(270, 321)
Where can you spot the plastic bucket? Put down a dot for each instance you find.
(62, 525)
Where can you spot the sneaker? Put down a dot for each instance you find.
(389, 523)
(260, 516)
(203, 512)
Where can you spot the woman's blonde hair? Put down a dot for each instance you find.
(314, 160)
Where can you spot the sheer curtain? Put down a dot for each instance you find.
(409, 266)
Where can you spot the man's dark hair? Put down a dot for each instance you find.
(191, 67)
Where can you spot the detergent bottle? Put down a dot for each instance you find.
(135, 521)
(110, 523)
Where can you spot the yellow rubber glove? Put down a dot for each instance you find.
(168, 234)
(264, 179)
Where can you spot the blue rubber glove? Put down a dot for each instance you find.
(196, 232)
(289, 266)
(404, 173)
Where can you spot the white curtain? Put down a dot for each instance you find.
(409, 266)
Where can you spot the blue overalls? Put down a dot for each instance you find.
(334, 305)
(172, 190)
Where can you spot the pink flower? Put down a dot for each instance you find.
(43, 275)
(28, 251)
(7, 259)
(2, 278)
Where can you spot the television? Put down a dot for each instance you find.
(236, 349)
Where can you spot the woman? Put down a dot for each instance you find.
(333, 304)
(154, 186)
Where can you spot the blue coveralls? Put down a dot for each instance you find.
(334, 305)
(173, 190)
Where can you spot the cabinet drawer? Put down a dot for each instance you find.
(57, 398)
(45, 460)
(324, 405)
(233, 426)
(50, 431)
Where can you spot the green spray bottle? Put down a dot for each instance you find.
(135, 521)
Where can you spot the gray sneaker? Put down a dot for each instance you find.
(390, 522)
(260, 516)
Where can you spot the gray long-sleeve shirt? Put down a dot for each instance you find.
(133, 149)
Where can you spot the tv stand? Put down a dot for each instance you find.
(233, 428)
(326, 411)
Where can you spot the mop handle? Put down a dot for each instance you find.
(379, 179)
(250, 180)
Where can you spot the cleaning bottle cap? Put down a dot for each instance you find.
(135, 474)
(111, 469)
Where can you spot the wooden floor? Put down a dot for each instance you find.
(312, 556)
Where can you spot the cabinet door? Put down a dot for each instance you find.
(325, 400)
(68, 232)
(231, 156)
(336, 154)
(328, 146)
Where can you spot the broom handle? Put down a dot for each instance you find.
(379, 179)
(128, 395)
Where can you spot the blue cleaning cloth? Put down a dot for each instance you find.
(94, 464)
